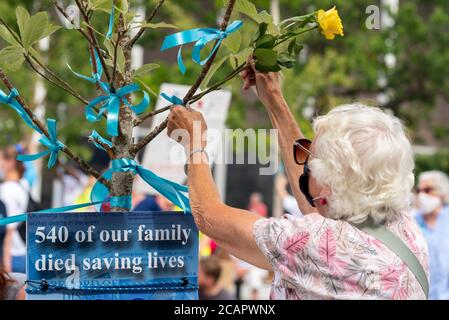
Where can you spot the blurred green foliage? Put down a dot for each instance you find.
(328, 73)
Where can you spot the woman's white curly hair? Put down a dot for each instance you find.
(365, 157)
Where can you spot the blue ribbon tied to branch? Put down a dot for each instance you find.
(51, 142)
(173, 191)
(201, 37)
(10, 100)
(110, 103)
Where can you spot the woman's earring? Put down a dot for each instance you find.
(323, 201)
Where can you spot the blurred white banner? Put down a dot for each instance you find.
(166, 157)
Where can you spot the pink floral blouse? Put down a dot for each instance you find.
(319, 258)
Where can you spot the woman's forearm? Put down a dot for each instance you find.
(283, 120)
(231, 228)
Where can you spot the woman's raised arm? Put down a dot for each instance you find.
(270, 94)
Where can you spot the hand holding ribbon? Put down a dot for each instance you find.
(201, 37)
(51, 142)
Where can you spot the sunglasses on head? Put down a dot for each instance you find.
(301, 151)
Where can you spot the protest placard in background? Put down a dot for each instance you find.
(165, 156)
(112, 256)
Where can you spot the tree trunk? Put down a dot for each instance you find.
(122, 182)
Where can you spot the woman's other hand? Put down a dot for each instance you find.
(267, 84)
(187, 127)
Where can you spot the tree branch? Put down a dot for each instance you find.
(94, 39)
(72, 22)
(150, 114)
(140, 145)
(106, 147)
(142, 29)
(83, 164)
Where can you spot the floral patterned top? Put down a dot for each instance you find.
(319, 258)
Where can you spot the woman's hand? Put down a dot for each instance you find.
(187, 127)
(267, 84)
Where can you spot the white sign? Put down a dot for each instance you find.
(166, 157)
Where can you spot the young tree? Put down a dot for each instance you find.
(273, 47)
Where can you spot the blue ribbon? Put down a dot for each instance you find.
(201, 37)
(22, 217)
(11, 101)
(111, 22)
(51, 142)
(96, 136)
(173, 99)
(110, 102)
(96, 76)
(173, 191)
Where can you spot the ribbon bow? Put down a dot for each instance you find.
(110, 102)
(201, 37)
(173, 191)
(11, 101)
(51, 142)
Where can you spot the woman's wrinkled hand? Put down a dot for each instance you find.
(187, 127)
(267, 84)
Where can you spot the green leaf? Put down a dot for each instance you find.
(7, 36)
(213, 69)
(266, 59)
(50, 30)
(260, 32)
(286, 60)
(146, 87)
(11, 57)
(237, 59)
(121, 60)
(22, 17)
(159, 25)
(34, 29)
(233, 42)
(266, 41)
(296, 22)
(145, 69)
(246, 7)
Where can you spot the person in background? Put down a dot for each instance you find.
(257, 205)
(12, 286)
(2, 230)
(209, 273)
(433, 218)
(14, 192)
(289, 203)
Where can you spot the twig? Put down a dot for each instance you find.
(142, 29)
(137, 147)
(106, 147)
(114, 70)
(72, 22)
(150, 114)
(94, 39)
(65, 86)
(83, 164)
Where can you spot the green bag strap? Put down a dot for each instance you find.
(396, 245)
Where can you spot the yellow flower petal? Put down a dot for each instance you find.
(329, 23)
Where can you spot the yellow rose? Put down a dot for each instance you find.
(329, 23)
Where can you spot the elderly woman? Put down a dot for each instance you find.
(357, 172)
(433, 218)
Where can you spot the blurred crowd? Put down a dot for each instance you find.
(220, 276)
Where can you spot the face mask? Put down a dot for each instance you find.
(304, 185)
(428, 203)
